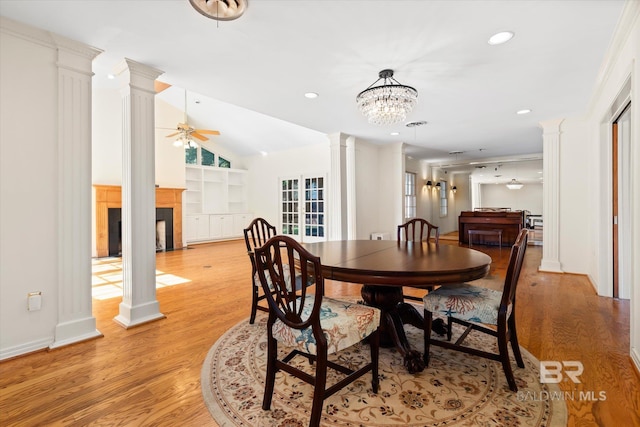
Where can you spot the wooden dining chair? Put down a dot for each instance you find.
(414, 230)
(310, 324)
(256, 235)
(417, 229)
(472, 306)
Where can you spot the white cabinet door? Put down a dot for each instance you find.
(240, 222)
(197, 227)
(220, 226)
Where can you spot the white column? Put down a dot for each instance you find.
(551, 196)
(338, 187)
(352, 229)
(75, 320)
(139, 304)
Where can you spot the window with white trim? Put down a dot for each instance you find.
(409, 195)
(443, 199)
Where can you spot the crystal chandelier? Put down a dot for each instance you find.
(388, 103)
(514, 185)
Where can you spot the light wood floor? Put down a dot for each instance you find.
(150, 375)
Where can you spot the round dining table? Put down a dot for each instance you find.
(385, 266)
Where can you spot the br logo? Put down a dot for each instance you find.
(552, 371)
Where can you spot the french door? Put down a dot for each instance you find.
(303, 208)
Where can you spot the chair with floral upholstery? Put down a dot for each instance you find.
(473, 306)
(311, 325)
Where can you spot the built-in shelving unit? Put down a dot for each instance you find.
(216, 203)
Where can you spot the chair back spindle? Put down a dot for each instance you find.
(414, 231)
(289, 271)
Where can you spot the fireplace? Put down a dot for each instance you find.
(164, 230)
(109, 228)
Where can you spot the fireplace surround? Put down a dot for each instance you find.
(110, 197)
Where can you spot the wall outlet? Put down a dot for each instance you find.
(34, 301)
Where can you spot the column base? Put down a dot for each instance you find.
(75, 331)
(550, 266)
(134, 316)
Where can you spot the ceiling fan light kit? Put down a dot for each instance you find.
(388, 103)
(220, 10)
(187, 133)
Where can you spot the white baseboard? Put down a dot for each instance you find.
(25, 348)
(635, 357)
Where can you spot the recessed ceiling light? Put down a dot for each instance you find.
(311, 95)
(394, 133)
(525, 111)
(111, 76)
(501, 37)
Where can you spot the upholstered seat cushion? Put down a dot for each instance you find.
(466, 302)
(344, 324)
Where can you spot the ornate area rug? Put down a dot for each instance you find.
(455, 390)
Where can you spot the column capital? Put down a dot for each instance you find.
(138, 75)
(551, 126)
(338, 138)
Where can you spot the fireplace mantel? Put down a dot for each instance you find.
(110, 196)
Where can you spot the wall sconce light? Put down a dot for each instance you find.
(454, 188)
(429, 184)
(438, 185)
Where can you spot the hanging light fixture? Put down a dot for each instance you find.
(184, 140)
(514, 185)
(220, 10)
(388, 103)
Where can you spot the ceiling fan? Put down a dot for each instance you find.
(186, 132)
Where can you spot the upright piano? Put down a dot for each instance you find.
(510, 222)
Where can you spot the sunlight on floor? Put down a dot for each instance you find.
(106, 279)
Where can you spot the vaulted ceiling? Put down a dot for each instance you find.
(250, 75)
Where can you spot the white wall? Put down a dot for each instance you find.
(390, 203)
(45, 133)
(424, 201)
(527, 198)
(106, 164)
(574, 221)
(461, 199)
(29, 191)
(593, 137)
(449, 222)
(107, 142)
(265, 173)
(169, 165)
(367, 176)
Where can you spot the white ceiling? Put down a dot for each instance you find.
(250, 74)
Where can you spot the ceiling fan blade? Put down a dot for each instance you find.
(173, 134)
(208, 131)
(200, 137)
